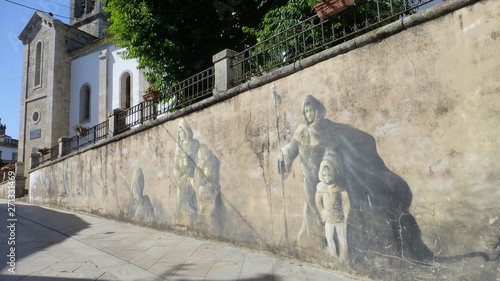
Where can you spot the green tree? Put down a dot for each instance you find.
(281, 18)
(293, 12)
(176, 39)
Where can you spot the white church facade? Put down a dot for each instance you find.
(100, 82)
(71, 75)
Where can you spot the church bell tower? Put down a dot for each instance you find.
(89, 16)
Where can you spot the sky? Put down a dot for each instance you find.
(13, 19)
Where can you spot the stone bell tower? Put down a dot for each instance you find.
(45, 86)
(89, 16)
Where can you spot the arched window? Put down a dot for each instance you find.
(85, 104)
(38, 64)
(126, 90)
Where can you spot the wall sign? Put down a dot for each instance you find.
(35, 134)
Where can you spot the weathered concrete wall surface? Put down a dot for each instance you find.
(387, 157)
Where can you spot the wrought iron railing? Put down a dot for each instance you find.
(50, 155)
(314, 35)
(90, 136)
(184, 93)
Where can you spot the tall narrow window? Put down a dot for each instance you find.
(85, 104)
(38, 64)
(126, 90)
(128, 96)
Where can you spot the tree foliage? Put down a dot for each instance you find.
(293, 12)
(282, 17)
(176, 39)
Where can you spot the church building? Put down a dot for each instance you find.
(71, 75)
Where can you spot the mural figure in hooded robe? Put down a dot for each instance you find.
(379, 219)
(185, 164)
(307, 143)
(206, 185)
(333, 206)
(140, 207)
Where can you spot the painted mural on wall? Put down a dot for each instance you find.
(196, 173)
(355, 208)
(333, 205)
(139, 207)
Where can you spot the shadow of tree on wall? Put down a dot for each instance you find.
(30, 236)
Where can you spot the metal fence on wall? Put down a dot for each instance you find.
(50, 155)
(196, 88)
(90, 136)
(315, 34)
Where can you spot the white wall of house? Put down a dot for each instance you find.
(7, 151)
(117, 68)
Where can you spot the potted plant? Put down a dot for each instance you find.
(328, 8)
(151, 94)
(43, 150)
(4, 171)
(80, 130)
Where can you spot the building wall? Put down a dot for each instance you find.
(85, 70)
(118, 67)
(409, 124)
(50, 100)
(35, 134)
(8, 151)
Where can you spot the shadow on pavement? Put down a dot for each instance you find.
(182, 269)
(41, 278)
(263, 277)
(28, 229)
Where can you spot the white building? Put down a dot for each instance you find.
(71, 75)
(8, 146)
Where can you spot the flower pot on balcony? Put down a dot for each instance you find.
(328, 8)
(151, 95)
(43, 152)
(81, 132)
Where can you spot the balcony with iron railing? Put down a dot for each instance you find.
(302, 40)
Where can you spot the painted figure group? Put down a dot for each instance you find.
(349, 192)
(354, 204)
(197, 175)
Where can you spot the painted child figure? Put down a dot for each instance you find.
(331, 201)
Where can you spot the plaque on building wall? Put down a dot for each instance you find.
(35, 134)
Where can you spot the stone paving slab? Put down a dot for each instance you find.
(58, 245)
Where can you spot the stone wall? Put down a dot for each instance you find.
(398, 139)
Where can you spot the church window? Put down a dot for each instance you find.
(35, 117)
(126, 90)
(85, 104)
(38, 64)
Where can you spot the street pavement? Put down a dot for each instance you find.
(39, 243)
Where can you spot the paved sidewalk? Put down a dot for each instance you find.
(57, 245)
